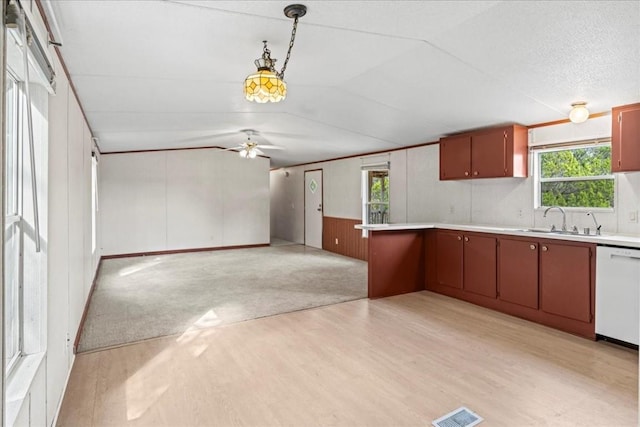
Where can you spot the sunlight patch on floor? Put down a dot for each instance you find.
(144, 388)
(139, 267)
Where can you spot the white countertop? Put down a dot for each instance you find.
(605, 239)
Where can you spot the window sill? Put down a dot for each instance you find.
(19, 384)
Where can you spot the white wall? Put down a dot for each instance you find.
(182, 199)
(59, 350)
(72, 265)
(417, 194)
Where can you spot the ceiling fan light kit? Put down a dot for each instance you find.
(267, 84)
(249, 152)
(251, 149)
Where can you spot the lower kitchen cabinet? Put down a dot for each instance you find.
(565, 280)
(449, 257)
(466, 262)
(546, 281)
(518, 272)
(480, 265)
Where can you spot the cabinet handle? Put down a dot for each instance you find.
(475, 173)
(466, 173)
(545, 249)
(459, 238)
(466, 239)
(532, 247)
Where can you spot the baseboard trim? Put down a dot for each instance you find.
(86, 308)
(182, 251)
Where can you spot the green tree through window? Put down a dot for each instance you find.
(378, 203)
(576, 177)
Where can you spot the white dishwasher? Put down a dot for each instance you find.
(618, 294)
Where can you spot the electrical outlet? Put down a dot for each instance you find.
(519, 213)
(633, 216)
(452, 209)
(336, 240)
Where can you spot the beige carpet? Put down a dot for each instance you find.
(145, 297)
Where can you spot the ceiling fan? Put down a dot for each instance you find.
(251, 149)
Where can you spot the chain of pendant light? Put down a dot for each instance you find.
(293, 39)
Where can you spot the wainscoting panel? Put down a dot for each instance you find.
(340, 236)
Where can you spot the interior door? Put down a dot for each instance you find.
(313, 208)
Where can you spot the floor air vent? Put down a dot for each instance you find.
(461, 417)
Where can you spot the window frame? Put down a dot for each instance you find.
(538, 180)
(366, 195)
(14, 219)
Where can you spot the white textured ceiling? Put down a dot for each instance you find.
(364, 75)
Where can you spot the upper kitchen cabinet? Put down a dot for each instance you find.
(490, 153)
(455, 157)
(625, 138)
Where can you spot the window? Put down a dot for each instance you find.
(576, 176)
(375, 209)
(13, 229)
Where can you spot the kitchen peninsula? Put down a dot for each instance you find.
(545, 277)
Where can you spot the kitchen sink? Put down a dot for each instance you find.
(548, 231)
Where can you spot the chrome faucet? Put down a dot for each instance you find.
(598, 227)
(564, 216)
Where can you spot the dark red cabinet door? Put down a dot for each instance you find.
(455, 157)
(489, 154)
(480, 265)
(449, 259)
(625, 139)
(518, 272)
(565, 280)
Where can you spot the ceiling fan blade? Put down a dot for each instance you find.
(207, 137)
(270, 147)
(286, 134)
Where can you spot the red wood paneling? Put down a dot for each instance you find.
(349, 240)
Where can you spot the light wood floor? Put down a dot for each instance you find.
(404, 360)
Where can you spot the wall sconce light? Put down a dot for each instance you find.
(267, 84)
(579, 112)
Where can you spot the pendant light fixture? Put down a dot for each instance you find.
(267, 84)
(579, 112)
